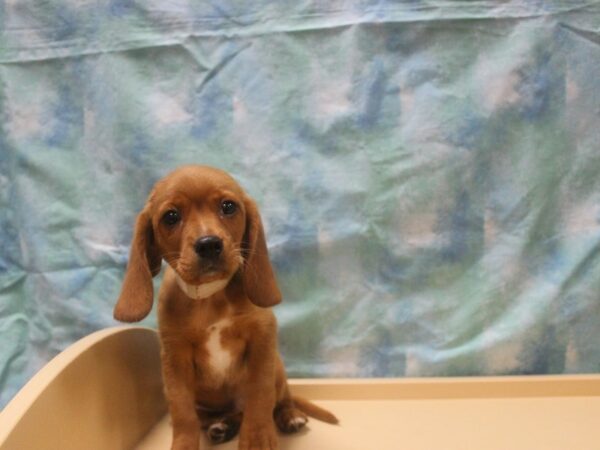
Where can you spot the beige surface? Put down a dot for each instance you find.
(545, 413)
(104, 393)
(513, 424)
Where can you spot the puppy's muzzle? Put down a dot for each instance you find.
(209, 248)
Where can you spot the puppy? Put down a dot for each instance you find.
(221, 368)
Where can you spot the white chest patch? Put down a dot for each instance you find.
(219, 358)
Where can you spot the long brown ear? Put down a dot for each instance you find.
(258, 276)
(137, 293)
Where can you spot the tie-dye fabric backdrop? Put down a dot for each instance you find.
(428, 171)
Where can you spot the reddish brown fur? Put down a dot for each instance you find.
(255, 382)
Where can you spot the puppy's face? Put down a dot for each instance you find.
(198, 222)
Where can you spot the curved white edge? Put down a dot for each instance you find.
(14, 411)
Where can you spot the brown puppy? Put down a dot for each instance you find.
(221, 368)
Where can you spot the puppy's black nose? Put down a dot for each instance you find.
(209, 247)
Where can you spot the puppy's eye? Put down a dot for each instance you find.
(228, 207)
(171, 217)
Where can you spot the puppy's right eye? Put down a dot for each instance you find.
(171, 217)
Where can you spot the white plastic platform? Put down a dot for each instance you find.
(105, 393)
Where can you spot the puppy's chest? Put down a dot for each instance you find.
(218, 353)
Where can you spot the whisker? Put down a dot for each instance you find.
(236, 254)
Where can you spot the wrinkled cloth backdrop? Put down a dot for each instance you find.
(427, 171)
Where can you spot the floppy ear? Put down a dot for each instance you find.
(137, 293)
(258, 276)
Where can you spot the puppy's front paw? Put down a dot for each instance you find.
(258, 437)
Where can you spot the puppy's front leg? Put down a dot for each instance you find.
(258, 427)
(178, 378)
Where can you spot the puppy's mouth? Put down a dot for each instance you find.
(202, 275)
(199, 281)
(200, 278)
(209, 275)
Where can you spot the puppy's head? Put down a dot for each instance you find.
(207, 229)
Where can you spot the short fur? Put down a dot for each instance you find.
(221, 369)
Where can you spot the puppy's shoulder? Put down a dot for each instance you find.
(256, 322)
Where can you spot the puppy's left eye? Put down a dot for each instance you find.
(171, 217)
(228, 207)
